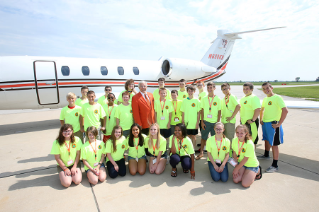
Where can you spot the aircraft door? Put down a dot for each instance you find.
(46, 82)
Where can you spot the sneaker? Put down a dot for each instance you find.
(272, 169)
(198, 151)
(263, 157)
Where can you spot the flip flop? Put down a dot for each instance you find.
(185, 170)
(260, 175)
(199, 157)
(174, 173)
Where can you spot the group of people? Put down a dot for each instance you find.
(161, 128)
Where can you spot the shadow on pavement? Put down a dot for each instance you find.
(38, 159)
(29, 127)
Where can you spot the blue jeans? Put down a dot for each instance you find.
(216, 175)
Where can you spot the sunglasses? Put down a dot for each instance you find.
(108, 90)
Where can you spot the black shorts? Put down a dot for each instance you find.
(249, 129)
(166, 133)
(192, 131)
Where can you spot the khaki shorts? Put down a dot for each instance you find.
(79, 134)
(229, 130)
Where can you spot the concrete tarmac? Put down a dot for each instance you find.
(29, 181)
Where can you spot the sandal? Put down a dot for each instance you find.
(185, 170)
(174, 173)
(199, 157)
(260, 175)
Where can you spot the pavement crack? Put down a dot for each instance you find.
(96, 203)
(26, 172)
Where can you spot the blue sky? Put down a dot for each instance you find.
(180, 29)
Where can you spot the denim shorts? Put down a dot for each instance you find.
(143, 157)
(103, 165)
(254, 169)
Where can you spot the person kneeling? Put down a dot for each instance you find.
(93, 157)
(217, 148)
(182, 150)
(247, 169)
(114, 150)
(156, 145)
(66, 150)
(136, 150)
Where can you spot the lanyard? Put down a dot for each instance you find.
(137, 144)
(94, 149)
(68, 148)
(210, 103)
(163, 105)
(108, 110)
(239, 151)
(219, 145)
(175, 108)
(227, 100)
(180, 145)
(154, 148)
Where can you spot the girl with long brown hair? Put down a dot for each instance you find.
(66, 150)
(114, 151)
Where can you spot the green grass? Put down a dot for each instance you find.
(308, 92)
(273, 83)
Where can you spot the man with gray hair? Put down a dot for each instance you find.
(143, 108)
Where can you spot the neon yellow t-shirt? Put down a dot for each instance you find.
(227, 111)
(182, 95)
(248, 150)
(125, 114)
(211, 116)
(163, 118)
(157, 96)
(120, 99)
(186, 147)
(88, 154)
(162, 146)
(80, 102)
(132, 151)
(202, 95)
(190, 107)
(71, 116)
(63, 150)
(110, 118)
(178, 114)
(248, 105)
(120, 148)
(273, 107)
(92, 115)
(213, 149)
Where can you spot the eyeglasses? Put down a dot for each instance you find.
(110, 97)
(67, 131)
(218, 129)
(108, 90)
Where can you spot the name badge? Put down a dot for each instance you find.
(136, 159)
(209, 116)
(154, 161)
(232, 162)
(176, 119)
(218, 161)
(163, 118)
(95, 164)
(70, 162)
